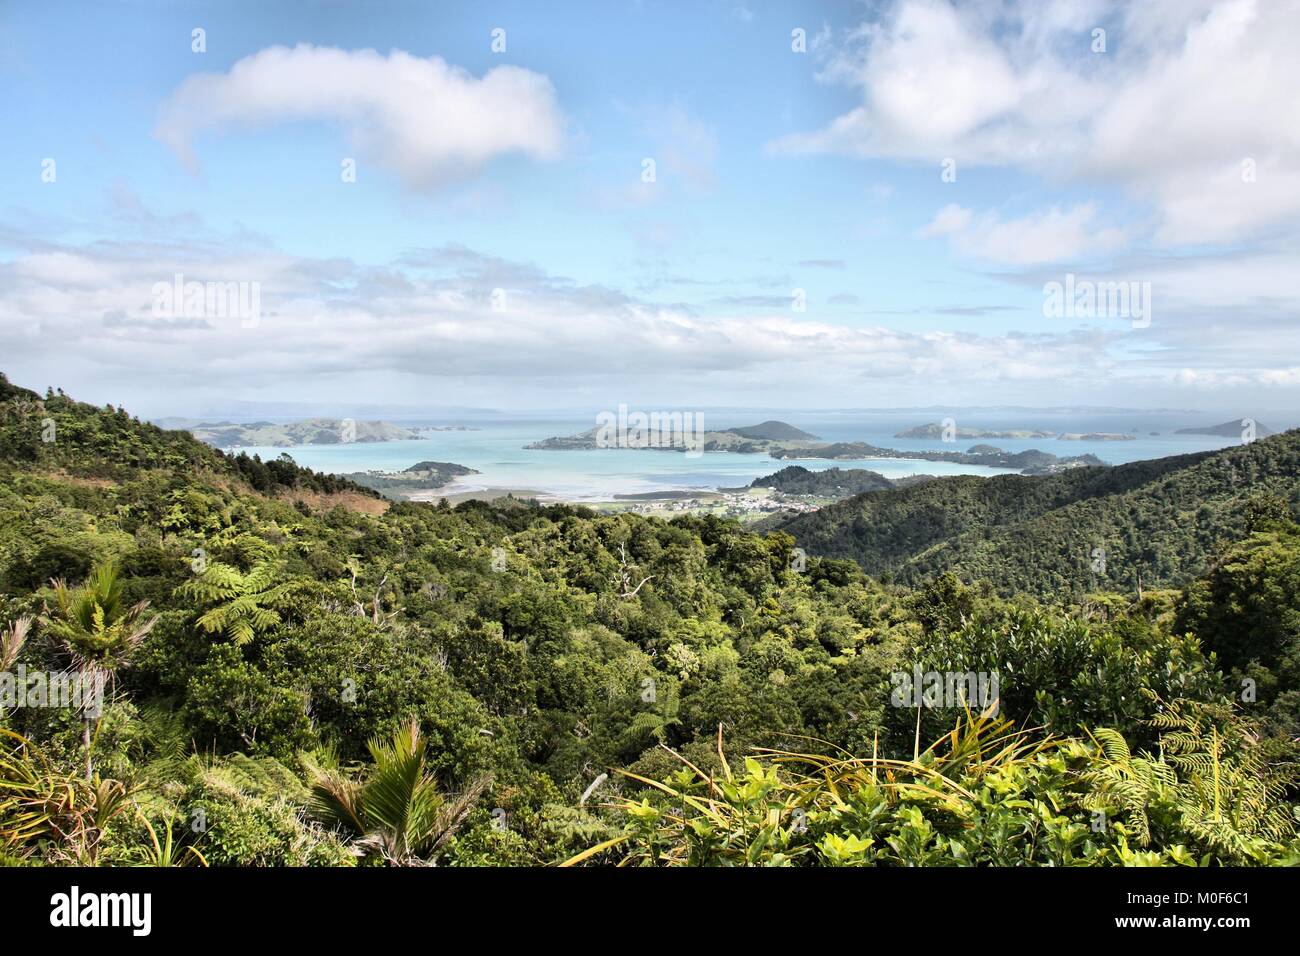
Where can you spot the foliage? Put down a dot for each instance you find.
(984, 794)
(397, 812)
(99, 633)
(240, 605)
(45, 810)
(275, 620)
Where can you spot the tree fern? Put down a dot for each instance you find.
(239, 605)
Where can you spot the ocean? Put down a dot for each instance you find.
(496, 450)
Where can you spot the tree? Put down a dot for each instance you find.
(241, 604)
(397, 811)
(99, 633)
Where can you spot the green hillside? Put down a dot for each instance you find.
(1160, 519)
(830, 482)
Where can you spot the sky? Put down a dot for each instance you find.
(574, 205)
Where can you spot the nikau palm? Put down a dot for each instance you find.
(99, 633)
(241, 604)
(398, 810)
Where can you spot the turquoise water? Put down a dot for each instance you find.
(496, 450)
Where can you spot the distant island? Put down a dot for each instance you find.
(422, 476)
(1230, 429)
(937, 430)
(782, 440)
(748, 440)
(1030, 462)
(309, 431)
(1095, 436)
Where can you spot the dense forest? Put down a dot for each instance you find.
(297, 672)
(1158, 523)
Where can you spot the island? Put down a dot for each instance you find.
(1095, 436)
(769, 437)
(748, 440)
(834, 483)
(1030, 462)
(937, 430)
(423, 476)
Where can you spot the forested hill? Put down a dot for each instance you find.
(1158, 519)
(58, 434)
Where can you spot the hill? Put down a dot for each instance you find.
(773, 431)
(1158, 519)
(310, 431)
(67, 440)
(831, 483)
(1229, 429)
(422, 476)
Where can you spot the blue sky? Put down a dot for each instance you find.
(776, 171)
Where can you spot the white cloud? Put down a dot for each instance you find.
(1186, 90)
(1047, 236)
(948, 220)
(424, 119)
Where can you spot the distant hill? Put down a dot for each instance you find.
(747, 440)
(1095, 436)
(1041, 535)
(773, 431)
(831, 483)
(1232, 429)
(1029, 462)
(422, 476)
(438, 467)
(937, 430)
(310, 431)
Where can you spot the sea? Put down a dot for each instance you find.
(495, 449)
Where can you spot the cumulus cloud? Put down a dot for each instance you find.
(1187, 94)
(422, 118)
